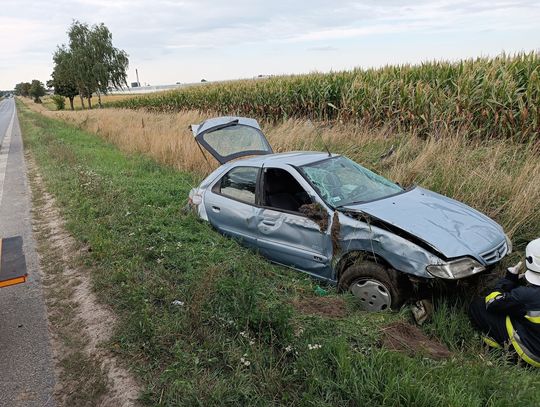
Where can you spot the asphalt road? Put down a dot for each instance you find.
(26, 364)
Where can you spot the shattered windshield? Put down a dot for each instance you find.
(340, 181)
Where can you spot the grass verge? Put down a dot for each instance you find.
(235, 338)
(81, 380)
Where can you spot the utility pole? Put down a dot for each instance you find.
(137, 73)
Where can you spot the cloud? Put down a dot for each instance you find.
(323, 48)
(20, 37)
(433, 16)
(152, 29)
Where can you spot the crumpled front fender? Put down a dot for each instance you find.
(400, 253)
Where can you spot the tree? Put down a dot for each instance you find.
(110, 63)
(37, 90)
(64, 79)
(96, 63)
(23, 89)
(81, 60)
(18, 89)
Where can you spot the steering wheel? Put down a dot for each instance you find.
(359, 190)
(331, 184)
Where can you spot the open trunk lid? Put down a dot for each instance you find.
(228, 138)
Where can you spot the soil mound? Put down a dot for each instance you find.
(409, 339)
(330, 307)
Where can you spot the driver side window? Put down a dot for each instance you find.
(282, 191)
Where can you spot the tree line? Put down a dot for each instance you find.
(87, 65)
(34, 89)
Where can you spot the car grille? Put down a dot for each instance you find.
(494, 255)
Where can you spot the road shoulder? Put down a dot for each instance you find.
(26, 359)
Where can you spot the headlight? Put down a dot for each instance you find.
(508, 244)
(455, 269)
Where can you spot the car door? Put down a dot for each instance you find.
(285, 234)
(230, 204)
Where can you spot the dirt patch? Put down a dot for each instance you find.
(317, 214)
(87, 373)
(409, 339)
(330, 307)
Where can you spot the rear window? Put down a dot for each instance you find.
(236, 139)
(240, 183)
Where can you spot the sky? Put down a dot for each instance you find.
(171, 41)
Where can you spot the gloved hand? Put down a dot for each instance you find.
(515, 269)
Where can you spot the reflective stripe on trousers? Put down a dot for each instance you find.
(490, 342)
(491, 297)
(533, 316)
(520, 348)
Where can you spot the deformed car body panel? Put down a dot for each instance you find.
(453, 228)
(295, 241)
(356, 235)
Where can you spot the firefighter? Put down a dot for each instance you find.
(510, 315)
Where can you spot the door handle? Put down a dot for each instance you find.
(216, 208)
(269, 223)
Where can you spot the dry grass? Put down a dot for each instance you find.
(165, 137)
(494, 176)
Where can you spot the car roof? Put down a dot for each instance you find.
(294, 158)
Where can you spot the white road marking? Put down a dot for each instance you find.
(4, 151)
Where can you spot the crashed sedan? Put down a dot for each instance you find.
(326, 215)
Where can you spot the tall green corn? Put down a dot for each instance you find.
(497, 97)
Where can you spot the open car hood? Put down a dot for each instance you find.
(451, 227)
(228, 138)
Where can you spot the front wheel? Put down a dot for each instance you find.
(376, 287)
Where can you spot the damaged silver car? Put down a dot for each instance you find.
(325, 215)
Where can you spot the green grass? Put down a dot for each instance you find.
(487, 97)
(82, 377)
(145, 252)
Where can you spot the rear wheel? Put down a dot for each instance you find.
(376, 287)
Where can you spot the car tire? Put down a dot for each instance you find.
(376, 287)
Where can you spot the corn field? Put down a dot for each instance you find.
(497, 97)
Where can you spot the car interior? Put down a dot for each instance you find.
(282, 191)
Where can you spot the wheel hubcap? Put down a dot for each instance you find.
(372, 295)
